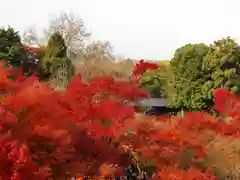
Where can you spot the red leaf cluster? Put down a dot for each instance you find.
(143, 66)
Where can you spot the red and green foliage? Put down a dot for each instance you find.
(150, 78)
(47, 134)
(143, 66)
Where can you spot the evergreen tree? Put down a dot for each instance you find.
(11, 48)
(56, 61)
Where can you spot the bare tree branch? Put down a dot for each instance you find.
(98, 51)
(31, 37)
(72, 28)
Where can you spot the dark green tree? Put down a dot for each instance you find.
(187, 77)
(11, 48)
(222, 64)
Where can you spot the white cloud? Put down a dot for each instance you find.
(150, 29)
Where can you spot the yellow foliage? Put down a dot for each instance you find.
(117, 70)
(163, 63)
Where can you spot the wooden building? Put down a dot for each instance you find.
(154, 107)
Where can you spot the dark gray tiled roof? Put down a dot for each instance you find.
(151, 102)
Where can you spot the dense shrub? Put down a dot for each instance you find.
(55, 134)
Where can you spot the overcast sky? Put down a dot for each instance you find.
(149, 29)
